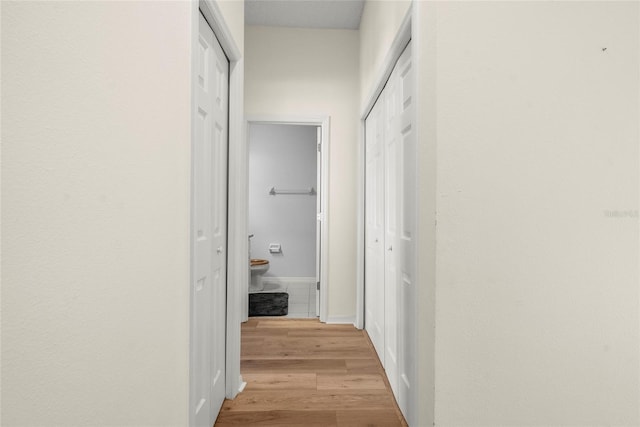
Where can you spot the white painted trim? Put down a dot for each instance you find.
(638, 124)
(237, 249)
(324, 122)
(289, 119)
(360, 232)
(237, 228)
(341, 320)
(424, 62)
(281, 284)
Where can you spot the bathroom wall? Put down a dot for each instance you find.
(296, 71)
(284, 157)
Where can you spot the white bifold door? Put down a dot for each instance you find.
(209, 228)
(390, 224)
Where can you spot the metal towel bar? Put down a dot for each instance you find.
(307, 191)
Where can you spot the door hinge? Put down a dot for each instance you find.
(319, 147)
(317, 286)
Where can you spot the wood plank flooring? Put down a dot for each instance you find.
(301, 372)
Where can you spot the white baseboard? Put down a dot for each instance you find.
(286, 284)
(341, 320)
(243, 384)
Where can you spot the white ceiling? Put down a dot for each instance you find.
(344, 14)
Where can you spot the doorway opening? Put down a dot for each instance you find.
(287, 181)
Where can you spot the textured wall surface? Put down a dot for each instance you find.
(95, 213)
(537, 199)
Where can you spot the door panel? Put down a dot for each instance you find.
(407, 226)
(392, 160)
(210, 230)
(374, 229)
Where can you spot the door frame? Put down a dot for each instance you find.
(403, 36)
(409, 30)
(237, 262)
(313, 120)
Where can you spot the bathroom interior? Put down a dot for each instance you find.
(283, 201)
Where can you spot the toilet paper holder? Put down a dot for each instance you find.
(275, 248)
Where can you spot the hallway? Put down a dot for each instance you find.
(303, 372)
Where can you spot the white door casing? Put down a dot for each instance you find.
(208, 316)
(322, 242)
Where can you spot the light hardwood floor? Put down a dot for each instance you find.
(301, 372)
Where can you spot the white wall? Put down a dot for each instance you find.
(233, 12)
(424, 46)
(95, 212)
(284, 157)
(379, 25)
(296, 72)
(537, 142)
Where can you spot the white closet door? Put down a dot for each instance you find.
(390, 225)
(407, 223)
(392, 153)
(210, 230)
(374, 227)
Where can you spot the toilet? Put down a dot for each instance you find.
(258, 268)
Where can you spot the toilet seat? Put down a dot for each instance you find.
(256, 261)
